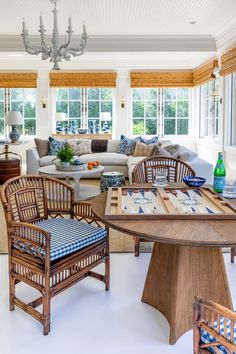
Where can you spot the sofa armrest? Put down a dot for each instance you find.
(32, 161)
(202, 168)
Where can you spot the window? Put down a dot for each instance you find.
(24, 101)
(99, 100)
(231, 103)
(176, 111)
(145, 102)
(209, 109)
(83, 107)
(2, 111)
(68, 100)
(161, 111)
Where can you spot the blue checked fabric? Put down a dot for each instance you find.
(68, 236)
(208, 338)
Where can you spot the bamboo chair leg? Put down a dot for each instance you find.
(107, 273)
(196, 340)
(232, 254)
(46, 313)
(11, 292)
(136, 246)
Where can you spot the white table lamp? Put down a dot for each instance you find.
(14, 119)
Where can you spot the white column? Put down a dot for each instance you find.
(122, 116)
(44, 115)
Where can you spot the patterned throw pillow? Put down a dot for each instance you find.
(55, 145)
(142, 149)
(127, 145)
(173, 149)
(159, 152)
(84, 148)
(153, 140)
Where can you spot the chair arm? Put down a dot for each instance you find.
(83, 211)
(30, 239)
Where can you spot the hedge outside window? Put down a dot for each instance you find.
(157, 107)
(145, 111)
(209, 109)
(176, 111)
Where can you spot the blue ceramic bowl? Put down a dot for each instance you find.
(194, 181)
(82, 131)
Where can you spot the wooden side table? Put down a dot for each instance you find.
(10, 166)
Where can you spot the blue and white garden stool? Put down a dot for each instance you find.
(111, 179)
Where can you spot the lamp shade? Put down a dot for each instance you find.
(60, 117)
(105, 116)
(14, 118)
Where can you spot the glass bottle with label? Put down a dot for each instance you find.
(219, 174)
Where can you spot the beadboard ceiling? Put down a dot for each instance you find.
(140, 33)
(122, 17)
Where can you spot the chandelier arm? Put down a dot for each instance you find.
(68, 41)
(32, 50)
(42, 32)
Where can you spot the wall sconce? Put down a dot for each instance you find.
(44, 102)
(122, 102)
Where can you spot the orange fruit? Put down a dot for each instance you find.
(90, 167)
(98, 163)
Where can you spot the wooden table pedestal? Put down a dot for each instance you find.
(176, 274)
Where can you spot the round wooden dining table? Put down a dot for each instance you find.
(186, 261)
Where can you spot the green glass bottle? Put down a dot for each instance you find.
(219, 174)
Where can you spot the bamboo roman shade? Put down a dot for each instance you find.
(161, 79)
(83, 79)
(228, 62)
(18, 80)
(203, 73)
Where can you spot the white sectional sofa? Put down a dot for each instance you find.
(114, 161)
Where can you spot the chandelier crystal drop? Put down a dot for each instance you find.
(57, 51)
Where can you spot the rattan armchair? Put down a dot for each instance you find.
(145, 171)
(214, 328)
(53, 241)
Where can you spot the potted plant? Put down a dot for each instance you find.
(65, 156)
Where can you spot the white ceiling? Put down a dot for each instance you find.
(121, 17)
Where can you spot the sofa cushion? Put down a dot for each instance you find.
(159, 151)
(42, 146)
(47, 160)
(55, 145)
(173, 149)
(79, 146)
(106, 158)
(142, 149)
(153, 140)
(186, 155)
(113, 145)
(68, 236)
(127, 145)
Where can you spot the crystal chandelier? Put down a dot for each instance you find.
(57, 51)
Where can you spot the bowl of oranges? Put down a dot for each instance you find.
(93, 164)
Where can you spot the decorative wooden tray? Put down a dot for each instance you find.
(167, 203)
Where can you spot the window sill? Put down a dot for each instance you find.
(231, 149)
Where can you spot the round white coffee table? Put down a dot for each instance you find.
(82, 191)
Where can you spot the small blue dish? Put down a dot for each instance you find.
(192, 181)
(82, 131)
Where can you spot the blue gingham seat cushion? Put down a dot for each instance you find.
(208, 338)
(68, 236)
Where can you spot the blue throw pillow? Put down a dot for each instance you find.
(153, 140)
(55, 145)
(127, 145)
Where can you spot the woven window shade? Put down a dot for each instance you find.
(228, 62)
(18, 80)
(83, 79)
(203, 73)
(161, 79)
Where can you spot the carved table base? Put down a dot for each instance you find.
(176, 274)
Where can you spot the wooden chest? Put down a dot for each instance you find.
(9, 168)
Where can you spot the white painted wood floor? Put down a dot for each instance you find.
(88, 320)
